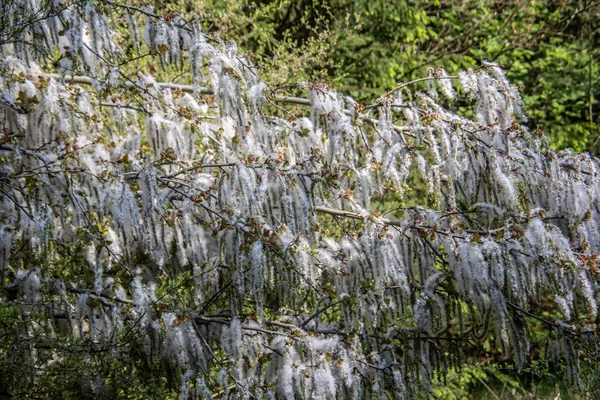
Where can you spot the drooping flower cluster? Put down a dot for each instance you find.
(240, 239)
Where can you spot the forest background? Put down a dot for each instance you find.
(549, 48)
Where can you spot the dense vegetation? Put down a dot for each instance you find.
(175, 223)
(549, 48)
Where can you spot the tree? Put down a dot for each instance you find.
(219, 239)
(367, 46)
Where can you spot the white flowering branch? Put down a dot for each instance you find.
(185, 229)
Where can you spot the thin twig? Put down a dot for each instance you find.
(319, 311)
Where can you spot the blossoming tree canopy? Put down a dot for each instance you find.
(248, 244)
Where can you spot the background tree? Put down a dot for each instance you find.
(221, 239)
(364, 47)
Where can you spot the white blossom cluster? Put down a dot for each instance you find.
(283, 302)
